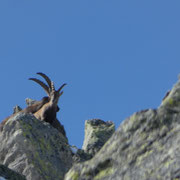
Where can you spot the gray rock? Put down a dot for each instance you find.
(146, 146)
(81, 156)
(34, 148)
(97, 132)
(30, 101)
(16, 109)
(8, 174)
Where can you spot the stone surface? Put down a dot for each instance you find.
(146, 146)
(81, 156)
(34, 148)
(16, 109)
(30, 101)
(8, 174)
(97, 132)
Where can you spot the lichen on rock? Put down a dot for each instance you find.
(97, 132)
(34, 148)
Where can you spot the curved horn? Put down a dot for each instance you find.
(43, 85)
(46, 78)
(61, 93)
(61, 88)
(52, 86)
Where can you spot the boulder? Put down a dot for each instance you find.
(34, 148)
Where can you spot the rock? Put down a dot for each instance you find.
(81, 156)
(97, 132)
(8, 174)
(146, 146)
(34, 148)
(29, 101)
(16, 109)
(56, 124)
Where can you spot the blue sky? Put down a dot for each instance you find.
(117, 57)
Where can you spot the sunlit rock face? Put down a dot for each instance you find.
(146, 146)
(97, 132)
(34, 148)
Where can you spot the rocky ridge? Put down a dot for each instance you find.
(146, 146)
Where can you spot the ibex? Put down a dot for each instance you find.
(48, 111)
(47, 108)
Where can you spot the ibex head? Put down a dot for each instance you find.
(49, 89)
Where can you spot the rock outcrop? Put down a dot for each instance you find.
(146, 146)
(97, 132)
(34, 148)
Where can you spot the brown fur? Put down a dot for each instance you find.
(48, 111)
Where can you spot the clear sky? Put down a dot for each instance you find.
(117, 56)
